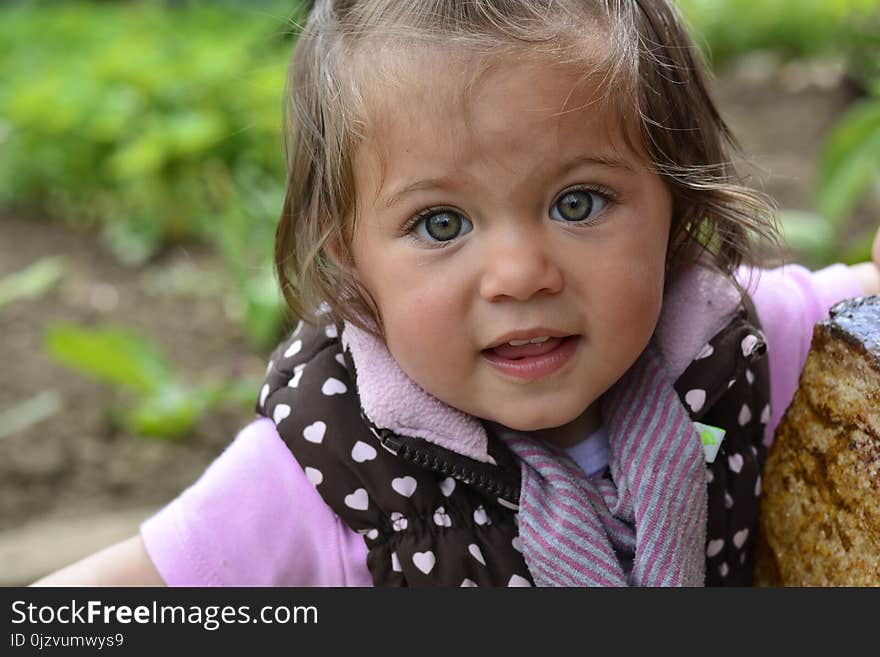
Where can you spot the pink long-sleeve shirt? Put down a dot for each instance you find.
(254, 518)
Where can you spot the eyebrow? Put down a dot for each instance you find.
(605, 161)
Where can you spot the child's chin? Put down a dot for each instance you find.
(529, 423)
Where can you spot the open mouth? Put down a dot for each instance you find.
(534, 359)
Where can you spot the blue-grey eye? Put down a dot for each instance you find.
(577, 205)
(443, 226)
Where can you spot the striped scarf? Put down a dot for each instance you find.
(646, 525)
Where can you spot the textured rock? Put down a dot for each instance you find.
(820, 507)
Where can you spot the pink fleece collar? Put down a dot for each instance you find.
(696, 305)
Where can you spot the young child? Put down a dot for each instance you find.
(539, 322)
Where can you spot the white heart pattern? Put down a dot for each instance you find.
(362, 452)
(398, 522)
(340, 359)
(406, 486)
(333, 387)
(293, 349)
(723, 569)
(517, 544)
(480, 515)
(424, 561)
(745, 415)
(695, 399)
(314, 475)
(447, 486)
(750, 377)
(765, 414)
(740, 537)
(441, 518)
(758, 487)
(476, 553)
(330, 331)
(518, 580)
(395, 563)
(373, 534)
(264, 392)
(714, 547)
(705, 352)
(297, 375)
(298, 328)
(468, 582)
(270, 366)
(357, 500)
(281, 412)
(735, 462)
(314, 433)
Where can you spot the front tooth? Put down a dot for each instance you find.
(520, 343)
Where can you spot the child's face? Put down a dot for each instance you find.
(542, 224)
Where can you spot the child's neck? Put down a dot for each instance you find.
(575, 431)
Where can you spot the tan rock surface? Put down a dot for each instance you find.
(820, 507)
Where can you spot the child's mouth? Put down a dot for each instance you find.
(532, 360)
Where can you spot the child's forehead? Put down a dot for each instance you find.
(425, 75)
(472, 97)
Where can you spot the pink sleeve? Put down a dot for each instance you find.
(790, 300)
(254, 519)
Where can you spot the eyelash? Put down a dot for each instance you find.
(606, 194)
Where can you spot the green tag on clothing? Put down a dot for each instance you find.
(711, 438)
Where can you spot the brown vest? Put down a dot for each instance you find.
(432, 517)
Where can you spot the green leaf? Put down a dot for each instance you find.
(850, 160)
(170, 413)
(30, 412)
(807, 234)
(31, 282)
(115, 356)
(859, 250)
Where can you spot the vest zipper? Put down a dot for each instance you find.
(428, 458)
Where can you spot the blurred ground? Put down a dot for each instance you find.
(76, 465)
(74, 483)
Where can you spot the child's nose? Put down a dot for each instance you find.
(519, 268)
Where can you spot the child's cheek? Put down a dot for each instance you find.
(429, 341)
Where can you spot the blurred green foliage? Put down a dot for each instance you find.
(158, 403)
(727, 29)
(158, 123)
(849, 166)
(32, 282)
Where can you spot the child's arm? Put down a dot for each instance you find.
(869, 272)
(124, 564)
(252, 519)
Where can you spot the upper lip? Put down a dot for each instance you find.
(527, 334)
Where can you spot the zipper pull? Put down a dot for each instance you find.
(388, 440)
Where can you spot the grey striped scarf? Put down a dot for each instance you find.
(646, 526)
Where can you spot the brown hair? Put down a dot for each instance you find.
(650, 69)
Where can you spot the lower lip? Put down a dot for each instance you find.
(535, 367)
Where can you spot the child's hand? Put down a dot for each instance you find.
(875, 251)
(869, 272)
